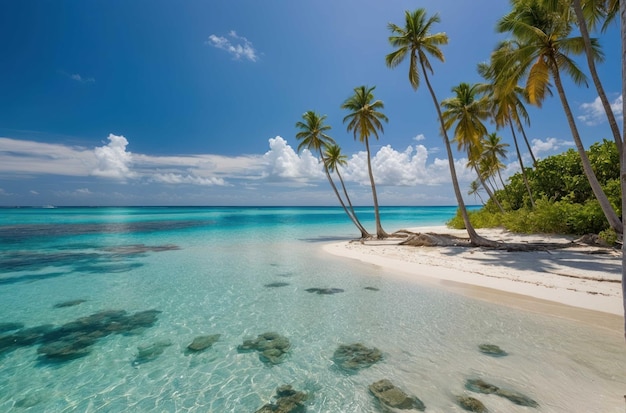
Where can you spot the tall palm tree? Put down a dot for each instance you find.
(364, 120)
(415, 41)
(334, 159)
(467, 112)
(313, 137)
(588, 13)
(545, 45)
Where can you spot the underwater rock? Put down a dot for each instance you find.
(138, 249)
(288, 400)
(324, 291)
(4, 327)
(392, 397)
(150, 352)
(276, 285)
(70, 303)
(75, 338)
(371, 288)
(471, 404)
(272, 347)
(492, 350)
(480, 386)
(70, 348)
(202, 343)
(356, 356)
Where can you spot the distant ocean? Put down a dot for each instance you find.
(99, 305)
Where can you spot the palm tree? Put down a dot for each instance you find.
(415, 41)
(364, 120)
(588, 13)
(543, 53)
(312, 136)
(468, 114)
(475, 188)
(334, 158)
(494, 150)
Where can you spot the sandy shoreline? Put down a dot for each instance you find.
(581, 283)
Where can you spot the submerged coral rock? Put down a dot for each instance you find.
(150, 352)
(492, 350)
(4, 327)
(471, 404)
(70, 303)
(288, 400)
(356, 356)
(272, 347)
(324, 291)
(480, 386)
(392, 397)
(202, 342)
(277, 284)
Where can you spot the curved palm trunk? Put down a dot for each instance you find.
(380, 232)
(610, 214)
(521, 165)
(582, 25)
(622, 12)
(364, 233)
(530, 150)
(492, 196)
(475, 239)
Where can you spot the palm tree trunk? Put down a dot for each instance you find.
(492, 196)
(380, 232)
(345, 191)
(530, 150)
(475, 239)
(521, 165)
(622, 12)
(582, 25)
(364, 233)
(610, 214)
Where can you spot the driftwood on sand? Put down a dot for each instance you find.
(431, 239)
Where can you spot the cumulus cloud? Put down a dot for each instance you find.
(549, 145)
(410, 167)
(594, 114)
(237, 46)
(282, 161)
(113, 161)
(420, 137)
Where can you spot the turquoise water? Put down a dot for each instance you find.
(89, 288)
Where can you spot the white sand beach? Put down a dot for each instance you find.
(581, 282)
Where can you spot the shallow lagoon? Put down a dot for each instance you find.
(241, 272)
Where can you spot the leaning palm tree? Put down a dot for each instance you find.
(545, 46)
(364, 120)
(415, 41)
(334, 158)
(466, 113)
(588, 14)
(313, 137)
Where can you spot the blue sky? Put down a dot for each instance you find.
(194, 102)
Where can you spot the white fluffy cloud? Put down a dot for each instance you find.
(407, 168)
(549, 145)
(235, 45)
(594, 114)
(112, 160)
(281, 161)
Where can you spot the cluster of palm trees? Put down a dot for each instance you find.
(522, 69)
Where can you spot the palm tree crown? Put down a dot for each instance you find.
(311, 135)
(364, 117)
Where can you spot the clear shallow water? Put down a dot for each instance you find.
(206, 271)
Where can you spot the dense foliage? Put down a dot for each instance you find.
(564, 202)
